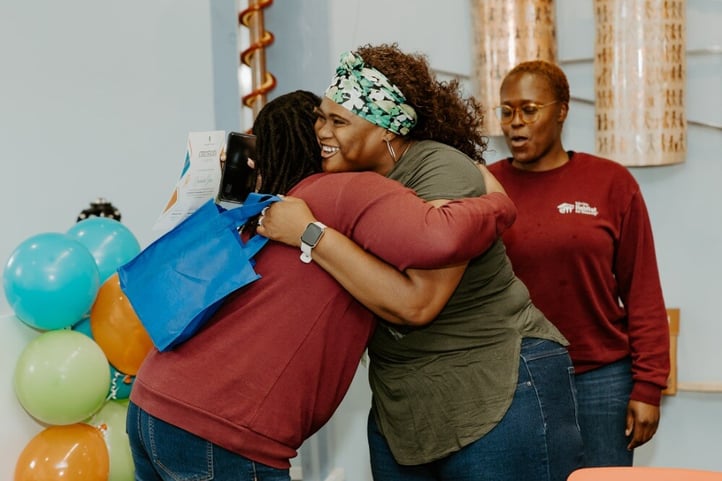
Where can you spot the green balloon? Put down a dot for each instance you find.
(110, 420)
(62, 377)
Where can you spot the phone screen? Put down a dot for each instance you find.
(238, 179)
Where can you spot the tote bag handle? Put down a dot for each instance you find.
(238, 216)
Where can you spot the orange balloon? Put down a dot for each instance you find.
(72, 452)
(117, 329)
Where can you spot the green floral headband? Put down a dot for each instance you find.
(369, 94)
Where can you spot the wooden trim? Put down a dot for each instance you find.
(673, 318)
(700, 386)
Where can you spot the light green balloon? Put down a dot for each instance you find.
(110, 420)
(62, 377)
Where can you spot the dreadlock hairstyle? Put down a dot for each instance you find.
(444, 115)
(286, 144)
(553, 74)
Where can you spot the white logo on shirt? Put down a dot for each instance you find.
(565, 208)
(577, 208)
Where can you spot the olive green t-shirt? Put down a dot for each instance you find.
(443, 386)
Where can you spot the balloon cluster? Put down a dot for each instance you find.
(75, 376)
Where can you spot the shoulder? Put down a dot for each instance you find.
(431, 149)
(348, 191)
(498, 166)
(601, 164)
(608, 180)
(343, 199)
(336, 183)
(438, 171)
(605, 169)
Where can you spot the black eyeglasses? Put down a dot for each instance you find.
(528, 112)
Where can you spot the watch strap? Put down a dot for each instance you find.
(307, 245)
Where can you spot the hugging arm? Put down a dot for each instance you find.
(412, 296)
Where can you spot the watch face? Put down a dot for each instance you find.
(311, 235)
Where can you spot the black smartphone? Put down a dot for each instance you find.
(238, 178)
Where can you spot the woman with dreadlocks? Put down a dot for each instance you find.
(236, 401)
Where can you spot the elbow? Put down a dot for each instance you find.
(418, 315)
(447, 249)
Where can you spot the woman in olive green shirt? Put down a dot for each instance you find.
(482, 389)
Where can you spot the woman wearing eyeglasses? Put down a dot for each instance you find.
(582, 244)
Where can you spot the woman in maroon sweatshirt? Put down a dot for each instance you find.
(583, 245)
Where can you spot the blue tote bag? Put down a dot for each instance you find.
(180, 280)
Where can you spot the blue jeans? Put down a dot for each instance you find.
(603, 395)
(164, 452)
(538, 438)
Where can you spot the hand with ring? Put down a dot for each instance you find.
(259, 223)
(285, 221)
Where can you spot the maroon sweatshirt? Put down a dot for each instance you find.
(271, 367)
(582, 243)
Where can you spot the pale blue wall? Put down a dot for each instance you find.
(97, 99)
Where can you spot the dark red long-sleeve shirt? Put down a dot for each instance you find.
(583, 245)
(271, 367)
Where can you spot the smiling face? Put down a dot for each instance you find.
(349, 142)
(536, 145)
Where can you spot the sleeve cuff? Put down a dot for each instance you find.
(647, 393)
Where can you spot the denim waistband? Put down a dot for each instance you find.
(535, 348)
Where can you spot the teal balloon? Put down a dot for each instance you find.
(61, 377)
(110, 421)
(50, 281)
(83, 326)
(120, 383)
(111, 243)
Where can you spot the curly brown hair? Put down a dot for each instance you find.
(553, 74)
(444, 115)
